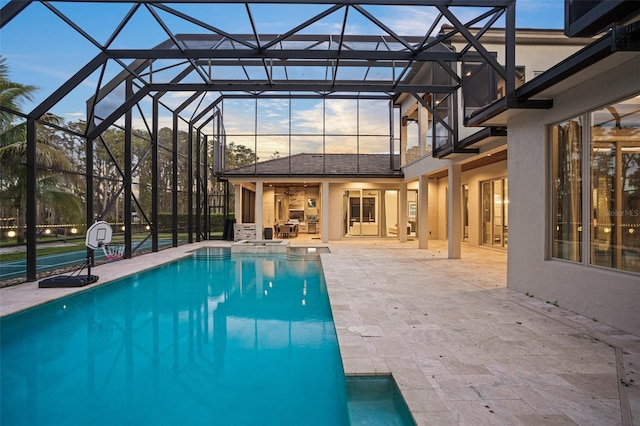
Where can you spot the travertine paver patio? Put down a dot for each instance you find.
(463, 348)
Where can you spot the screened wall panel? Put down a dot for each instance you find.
(340, 117)
(271, 147)
(374, 144)
(183, 217)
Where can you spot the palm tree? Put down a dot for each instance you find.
(13, 150)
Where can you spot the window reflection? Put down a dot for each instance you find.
(615, 186)
(613, 189)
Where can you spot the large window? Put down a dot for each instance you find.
(261, 134)
(615, 186)
(598, 154)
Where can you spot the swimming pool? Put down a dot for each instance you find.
(224, 340)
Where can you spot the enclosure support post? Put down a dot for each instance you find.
(30, 204)
(190, 186)
(174, 182)
(127, 175)
(154, 177)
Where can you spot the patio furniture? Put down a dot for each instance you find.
(287, 230)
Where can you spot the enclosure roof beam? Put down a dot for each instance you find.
(450, 3)
(11, 9)
(285, 54)
(306, 86)
(117, 113)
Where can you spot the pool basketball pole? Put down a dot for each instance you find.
(98, 235)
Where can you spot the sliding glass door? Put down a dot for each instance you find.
(495, 213)
(361, 213)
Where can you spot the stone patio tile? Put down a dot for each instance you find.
(431, 418)
(540, 404)
(380, 366)
(420, 400)
(600, 386)
(544, 419)
(355, 366)
(458, 368)
(411, 379)
(391, 346)
(354, 351)
(453, 387)
(403, 364)
(582, 409)
(431, 367)
(479, 412)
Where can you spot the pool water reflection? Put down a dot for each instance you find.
(229, 340)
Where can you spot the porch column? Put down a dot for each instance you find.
(423, 212)
(324, 219)
(237, 203)
(455, 211)
(403, 217)
(258, 214)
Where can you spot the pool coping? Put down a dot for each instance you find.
(260, 246)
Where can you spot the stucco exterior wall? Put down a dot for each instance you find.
(441, 198)
(608, 296)
(335, 208)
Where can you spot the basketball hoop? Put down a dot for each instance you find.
(98, 235)
(113, 253)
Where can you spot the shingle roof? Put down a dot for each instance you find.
(373, 165)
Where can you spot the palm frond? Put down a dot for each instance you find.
(13, 134)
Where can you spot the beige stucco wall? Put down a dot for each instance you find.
(608, 296)
(335, 210)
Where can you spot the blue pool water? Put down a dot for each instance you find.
(242, 340)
